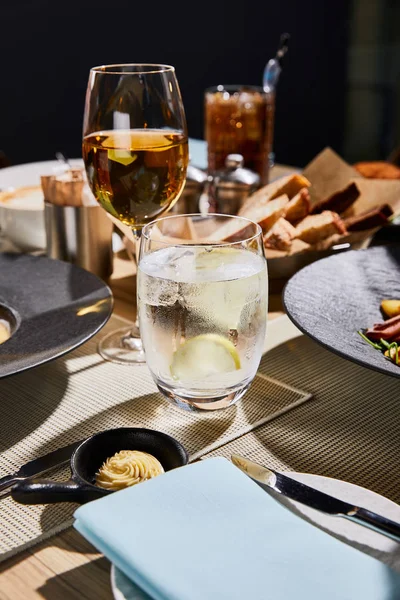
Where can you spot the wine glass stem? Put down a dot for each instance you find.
(135, 331)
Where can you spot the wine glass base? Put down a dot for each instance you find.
(123, 347)
(202, 405)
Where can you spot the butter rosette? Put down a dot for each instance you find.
(127, 468)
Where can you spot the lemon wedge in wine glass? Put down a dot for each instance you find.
(204, 355)
(124, 157)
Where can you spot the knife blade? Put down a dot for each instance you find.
(40, 465)
(294, 490)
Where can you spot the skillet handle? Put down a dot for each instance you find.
(48, 491)
(7, 481)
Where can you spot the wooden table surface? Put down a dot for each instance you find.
(67, 567)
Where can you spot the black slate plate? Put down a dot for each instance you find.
(53, 307)
(334, 297)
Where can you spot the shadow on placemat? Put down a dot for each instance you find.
(41, 398)
(349, 431)
(196, 433)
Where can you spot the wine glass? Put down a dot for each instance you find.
(135, 150)
(202, 307)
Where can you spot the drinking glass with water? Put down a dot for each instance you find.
(202, 300)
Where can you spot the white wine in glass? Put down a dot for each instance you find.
(135, 150)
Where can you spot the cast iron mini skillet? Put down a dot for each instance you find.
(88, 458)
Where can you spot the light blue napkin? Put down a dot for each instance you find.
(205, 531)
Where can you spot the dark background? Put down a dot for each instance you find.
(48, 47)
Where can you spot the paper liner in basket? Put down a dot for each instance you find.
(329, 174)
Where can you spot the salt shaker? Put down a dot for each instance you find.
(229, 187)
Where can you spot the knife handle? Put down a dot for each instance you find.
(367, 518)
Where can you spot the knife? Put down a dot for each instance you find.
(37, 466)
(294, 490)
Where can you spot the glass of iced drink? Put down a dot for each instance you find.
(202, 301)
(239, 119)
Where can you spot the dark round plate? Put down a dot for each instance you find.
(53, 307)
(335, 297)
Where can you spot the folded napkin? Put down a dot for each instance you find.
(205, 531)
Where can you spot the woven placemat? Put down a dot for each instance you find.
(80, 394)
(350, 431)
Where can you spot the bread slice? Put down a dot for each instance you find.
(298, 207)
(339, 201)
(291, 187)
(231, 232)
(296, 247)
(280, 236)
(288, 184)
(314, 228)
(369, 219)
(266, 213)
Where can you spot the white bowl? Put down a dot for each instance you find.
(22, 217)
(23, 220)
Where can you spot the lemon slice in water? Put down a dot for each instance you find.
(204, 355)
